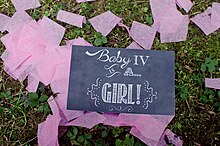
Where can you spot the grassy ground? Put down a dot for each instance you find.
(197, 117)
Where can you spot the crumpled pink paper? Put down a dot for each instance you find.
(203, 21)
(33, 50)
(21, 5)
(212, 83)
(71, 18)
(105, 22)
(142, 34)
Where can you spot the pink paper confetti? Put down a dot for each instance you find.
(144, 139)
(7, 70)
(215, 19)
(143, 35)
(111, 119)
(174, 29)
(212, 83)
(105, 22)
(45, 67)
(171, 139)
(88, 120)
(159, 8)
(14, 59)
(48, 131)
(203, 21)
(17, 19)
(79, 42)
(147, 125)
(50, 32)
(21, 5)
(134, 45)
(185, 4)
(3, 21)
(71, 18)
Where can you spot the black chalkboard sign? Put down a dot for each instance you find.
(121, 80)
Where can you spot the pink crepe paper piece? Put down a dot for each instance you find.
(165, 119)
(60, 79)
(20, 73)
(50, 32)
(143, 35)
(82, 1)
(146, 124)
(159, 8)
(105, 22)
(125, 26)
(32, 84)
(174, 29)
(17, 19)
(79, 42)
(111, 119)
(71, 18)
(170, 22)
(134, 45)
(212, 83)
(88, 120)
(66, 115)
(53, 105)
(172, 25)
(21, 5)
(167, 134)
(48, 131)
(185, 4)
(171, 139)
(215, 19)
(60, 85)
(9, 72)
(141, 137)
(203, 21)
(45, 66)
(3, 21)
(14, 59)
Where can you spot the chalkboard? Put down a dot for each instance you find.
(117, 80)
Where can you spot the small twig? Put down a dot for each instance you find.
(11, 130)
(29, 141)
(187, 103)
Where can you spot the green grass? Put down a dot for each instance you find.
(197, 114)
